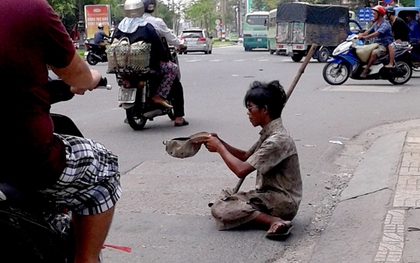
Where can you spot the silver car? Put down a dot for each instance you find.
(197, 40)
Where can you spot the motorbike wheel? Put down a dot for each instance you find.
(407, 76)
(297, 57)
(91, 59)
(335, 74)
(323, 55)
(136, 122)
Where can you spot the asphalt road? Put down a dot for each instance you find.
(163, 215)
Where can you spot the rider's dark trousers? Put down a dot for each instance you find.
(177, 93)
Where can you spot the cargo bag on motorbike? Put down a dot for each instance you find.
(124, 57)
(363, 52)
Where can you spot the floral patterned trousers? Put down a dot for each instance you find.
(169, 70)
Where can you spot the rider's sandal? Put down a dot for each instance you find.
(183, 123)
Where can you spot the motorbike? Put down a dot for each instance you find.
(350, 57)
(33, 227)
(95, 53)
(415, 56)
(136, 92)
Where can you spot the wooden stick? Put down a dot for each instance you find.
(288, 93)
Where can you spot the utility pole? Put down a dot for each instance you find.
(223, 9)
(173, 17)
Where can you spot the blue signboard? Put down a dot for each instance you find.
(364, 14)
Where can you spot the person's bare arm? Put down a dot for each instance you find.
(234, 158)
(78, 75)
(372, 35)
(238, 153)
(239, 167)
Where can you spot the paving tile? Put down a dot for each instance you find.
(407, 195)
(392, 244)
(389, 252)
(407, 192)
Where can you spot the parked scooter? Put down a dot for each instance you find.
(350, 58)
(33, 227)
(136, 92)
(95, 53)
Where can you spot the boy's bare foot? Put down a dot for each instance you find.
(279, 230)
(280, 227)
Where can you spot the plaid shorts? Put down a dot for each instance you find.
(90, 184)
(400, 46)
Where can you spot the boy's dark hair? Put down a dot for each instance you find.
(269, 94)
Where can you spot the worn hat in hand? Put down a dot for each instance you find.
(183, 147)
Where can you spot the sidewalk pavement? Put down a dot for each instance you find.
(377, 219)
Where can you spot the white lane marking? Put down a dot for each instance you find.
(356, 88)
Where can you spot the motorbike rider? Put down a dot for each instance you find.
(100, 36)
(381, 33)
(99, 39)
(76, 172)
(135, 28)
(400, 31)
(170, 38)
(414, 33)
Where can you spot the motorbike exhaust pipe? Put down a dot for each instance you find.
(153, 113)
(97, 56)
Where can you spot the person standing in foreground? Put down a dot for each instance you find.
(164, 32)
(76, 172)
(278, 190)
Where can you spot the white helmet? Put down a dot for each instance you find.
(100, 26)
(133, 8)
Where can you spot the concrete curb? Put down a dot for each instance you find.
(377, 215)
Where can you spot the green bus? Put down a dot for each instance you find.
(255, 30)
(272, 31)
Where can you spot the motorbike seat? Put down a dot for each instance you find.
(21, 198)
(9, 192)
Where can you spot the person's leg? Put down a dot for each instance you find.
(90, 233)
(275, 225)
(91, 196)
(169, 72)
(372, 59)
(391, 52)
(177, 95)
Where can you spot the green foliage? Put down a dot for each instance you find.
(202, 13)
(407, 2)
(71, 11)
(165, 13)
(260, 5)
(63, 7)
